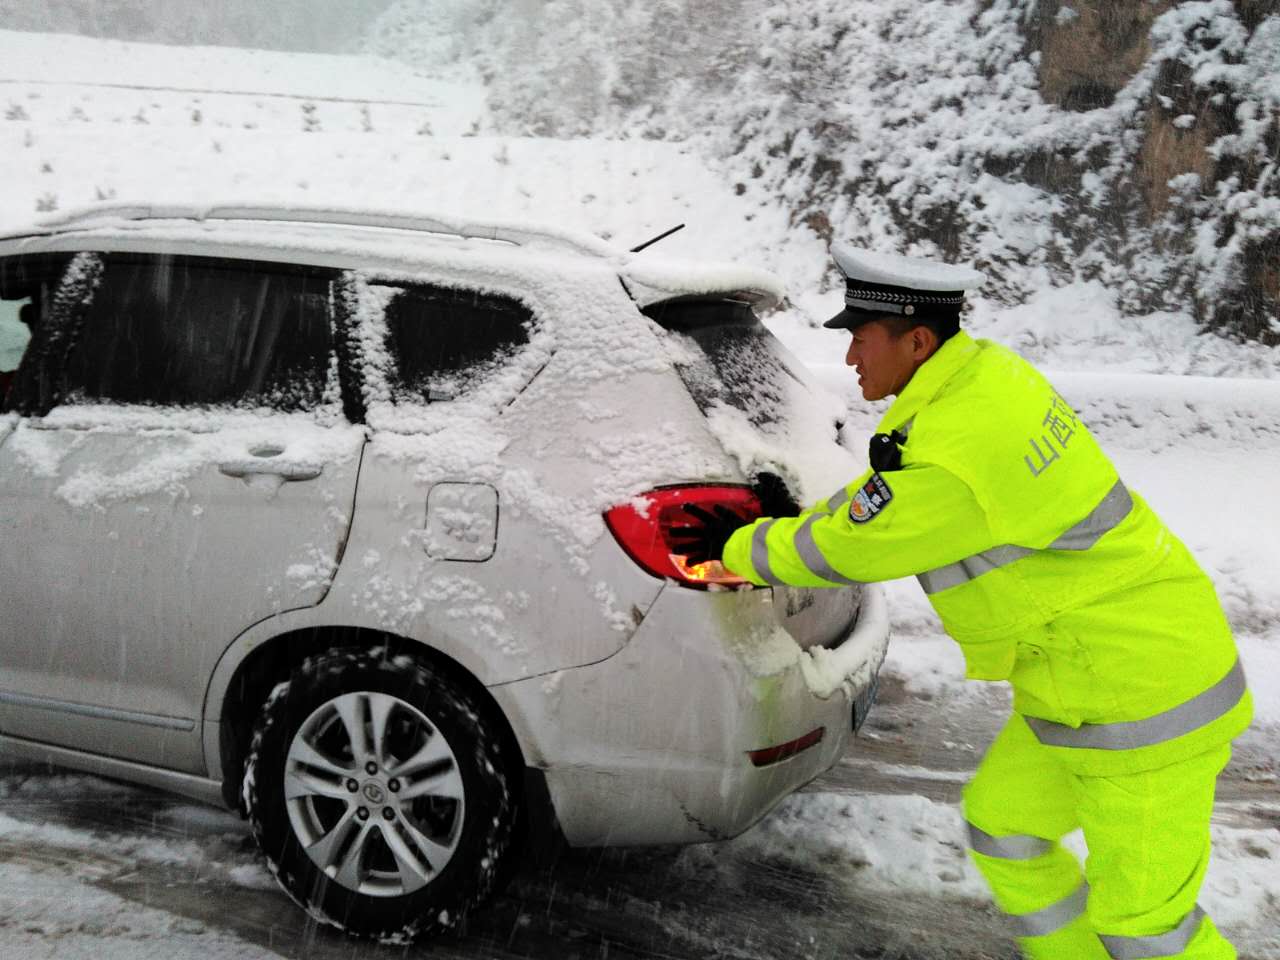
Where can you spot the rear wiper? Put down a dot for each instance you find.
(661, 236)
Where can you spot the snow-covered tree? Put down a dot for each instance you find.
(1127, 141)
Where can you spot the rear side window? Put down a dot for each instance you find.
(445, 342)
(735, 359)
(177, 330)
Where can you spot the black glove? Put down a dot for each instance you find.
(775, 498)
(705, 541)
(884, 452)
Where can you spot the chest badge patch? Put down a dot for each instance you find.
(871, 498)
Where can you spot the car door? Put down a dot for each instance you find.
(180, 469)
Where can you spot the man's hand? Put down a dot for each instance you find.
(775, 498)
(706, 540)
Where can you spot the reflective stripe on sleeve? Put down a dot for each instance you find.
(1161, 945)
(970, 568)
(811, 556)
(760, 553)
(1018, 846)
(1053, 917)
(1107, 515)
(1197, 712)
(837, 499)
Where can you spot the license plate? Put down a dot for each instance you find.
(862, 703)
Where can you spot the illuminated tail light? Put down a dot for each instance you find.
(643, 527)
(769, 755)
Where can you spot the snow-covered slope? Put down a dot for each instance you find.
(64, 59)
(209, 124)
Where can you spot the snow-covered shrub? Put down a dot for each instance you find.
(565, 68)
(433, 35)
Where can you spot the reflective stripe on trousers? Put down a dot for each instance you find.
(1107, 515)
(1160, 945)
(1020, 846)
(1023, 846)
(1054, 917)
(1195, 713)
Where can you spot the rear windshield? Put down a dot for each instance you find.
(735, 361)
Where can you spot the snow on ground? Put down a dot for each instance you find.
(914, 845)
(210, 125)
(45, 916)
(51, 907)
(51, 58)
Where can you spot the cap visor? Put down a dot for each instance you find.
(849, 319)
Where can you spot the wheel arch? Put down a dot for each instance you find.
(273, 661)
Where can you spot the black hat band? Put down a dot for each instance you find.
(866, 297)
(873, 306)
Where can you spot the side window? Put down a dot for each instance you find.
(26, 291)
(445, 342)
(197, 331)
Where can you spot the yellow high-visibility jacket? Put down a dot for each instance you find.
(1046, 569)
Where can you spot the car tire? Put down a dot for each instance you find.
(380, 794)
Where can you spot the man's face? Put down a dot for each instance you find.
(884, 363)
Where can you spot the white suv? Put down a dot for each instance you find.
(360, 522)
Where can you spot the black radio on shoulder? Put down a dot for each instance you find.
(885, 451)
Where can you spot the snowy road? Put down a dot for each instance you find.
(96, 869)
(81, 856)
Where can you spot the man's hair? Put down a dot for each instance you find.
(944, 328)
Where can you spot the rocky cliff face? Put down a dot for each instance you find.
(1135, 142)
(1129, 141)
(1202, 178)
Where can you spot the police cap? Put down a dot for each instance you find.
(879, 284)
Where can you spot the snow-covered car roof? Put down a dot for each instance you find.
(349, 236)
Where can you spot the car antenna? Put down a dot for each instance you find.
(661, 236)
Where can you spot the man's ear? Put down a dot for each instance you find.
(923, 343)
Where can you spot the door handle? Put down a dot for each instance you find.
(267, 468)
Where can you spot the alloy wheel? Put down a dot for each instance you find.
(374, 794)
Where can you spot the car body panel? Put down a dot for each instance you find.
(199, 788)
(665, 760)
(141, 511)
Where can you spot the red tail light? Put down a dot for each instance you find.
(643, 528)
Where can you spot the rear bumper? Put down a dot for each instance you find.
(651, 745)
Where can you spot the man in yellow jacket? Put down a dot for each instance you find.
(1053, 575)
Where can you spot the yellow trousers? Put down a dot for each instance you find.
(1148, 840)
